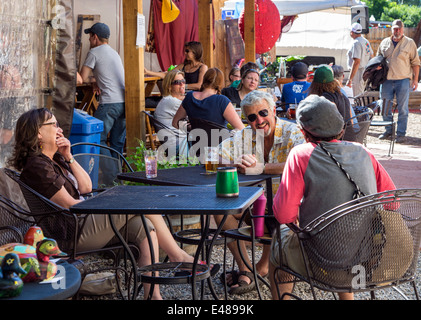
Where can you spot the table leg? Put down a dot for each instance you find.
(130, 253)
(148, 236)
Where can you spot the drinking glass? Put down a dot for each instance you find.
(211, 159)
(151, 164)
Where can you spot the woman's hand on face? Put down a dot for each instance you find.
(63, 145)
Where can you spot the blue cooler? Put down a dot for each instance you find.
(86, 128)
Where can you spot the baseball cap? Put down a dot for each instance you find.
(323, 74)
(100, 29)
(319, 116)
(299, 70)
(356, 27)
(397, 24)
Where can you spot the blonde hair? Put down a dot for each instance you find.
(169, 78)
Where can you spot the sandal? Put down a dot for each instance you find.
(243, 286)
(234, 278)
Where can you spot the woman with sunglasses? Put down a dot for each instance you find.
(208, 103)
(43, 156)
(173, 91)
(193, 67)
(249, 81)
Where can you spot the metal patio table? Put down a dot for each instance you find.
(143, 200)
(196, 176)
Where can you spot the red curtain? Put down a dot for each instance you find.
(169, 38)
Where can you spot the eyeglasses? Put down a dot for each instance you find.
(263, 113)
(187, 51)
(178, 82)
(54, 124)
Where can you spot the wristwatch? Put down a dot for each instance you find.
(71, 160)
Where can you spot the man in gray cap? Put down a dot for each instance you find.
(403, 61)
(312, 183)
(107, 68)
(358, 57)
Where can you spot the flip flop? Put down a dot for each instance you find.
(243, 286)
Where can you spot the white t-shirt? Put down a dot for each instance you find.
(361, 49)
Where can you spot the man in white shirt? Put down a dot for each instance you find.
(358, 57)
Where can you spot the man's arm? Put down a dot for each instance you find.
(85, 73)
(354, 69)
(415, 70)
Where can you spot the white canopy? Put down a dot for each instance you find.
(294, 7)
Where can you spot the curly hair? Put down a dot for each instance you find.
(214, 79)
(319, 88)
(26, 136)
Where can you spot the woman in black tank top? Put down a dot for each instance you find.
(193, 66)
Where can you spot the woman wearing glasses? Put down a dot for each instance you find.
(193, 67)
(208, 103)
(43, 156)
(173, 91)
(249, 75)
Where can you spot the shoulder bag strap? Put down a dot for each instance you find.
(358, 193)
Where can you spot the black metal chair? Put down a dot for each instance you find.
(212, 129)
(102, 163)
(386, 108)
(158, 125)
(357, 127)
(14, 221)
(247, 234)
(364, 245)
(65, 227)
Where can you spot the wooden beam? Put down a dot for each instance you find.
(134, 76)
(249, 36)
(206, 31)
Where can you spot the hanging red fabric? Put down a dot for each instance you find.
(171, 37)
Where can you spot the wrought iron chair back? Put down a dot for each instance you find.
(212, 130)
(14, 221)
(356, 128)
(102, 163)
(364, 245)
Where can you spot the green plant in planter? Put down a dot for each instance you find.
(137, 160)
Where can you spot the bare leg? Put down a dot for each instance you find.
(262, 266)
(167, 242)
(145, 259)
(283, 287)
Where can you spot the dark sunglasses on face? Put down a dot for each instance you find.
(263, 113)
(187, 51)
(178, 82)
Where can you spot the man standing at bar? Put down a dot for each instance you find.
(402, 57)
(106, 65)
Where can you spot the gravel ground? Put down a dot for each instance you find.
(183, 292)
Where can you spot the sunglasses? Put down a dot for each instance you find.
(54, 123)
(178, 82)
(187, 51)
(263, 113)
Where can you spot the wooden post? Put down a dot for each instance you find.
(249, 36)
(134, 76)
(206, 31)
